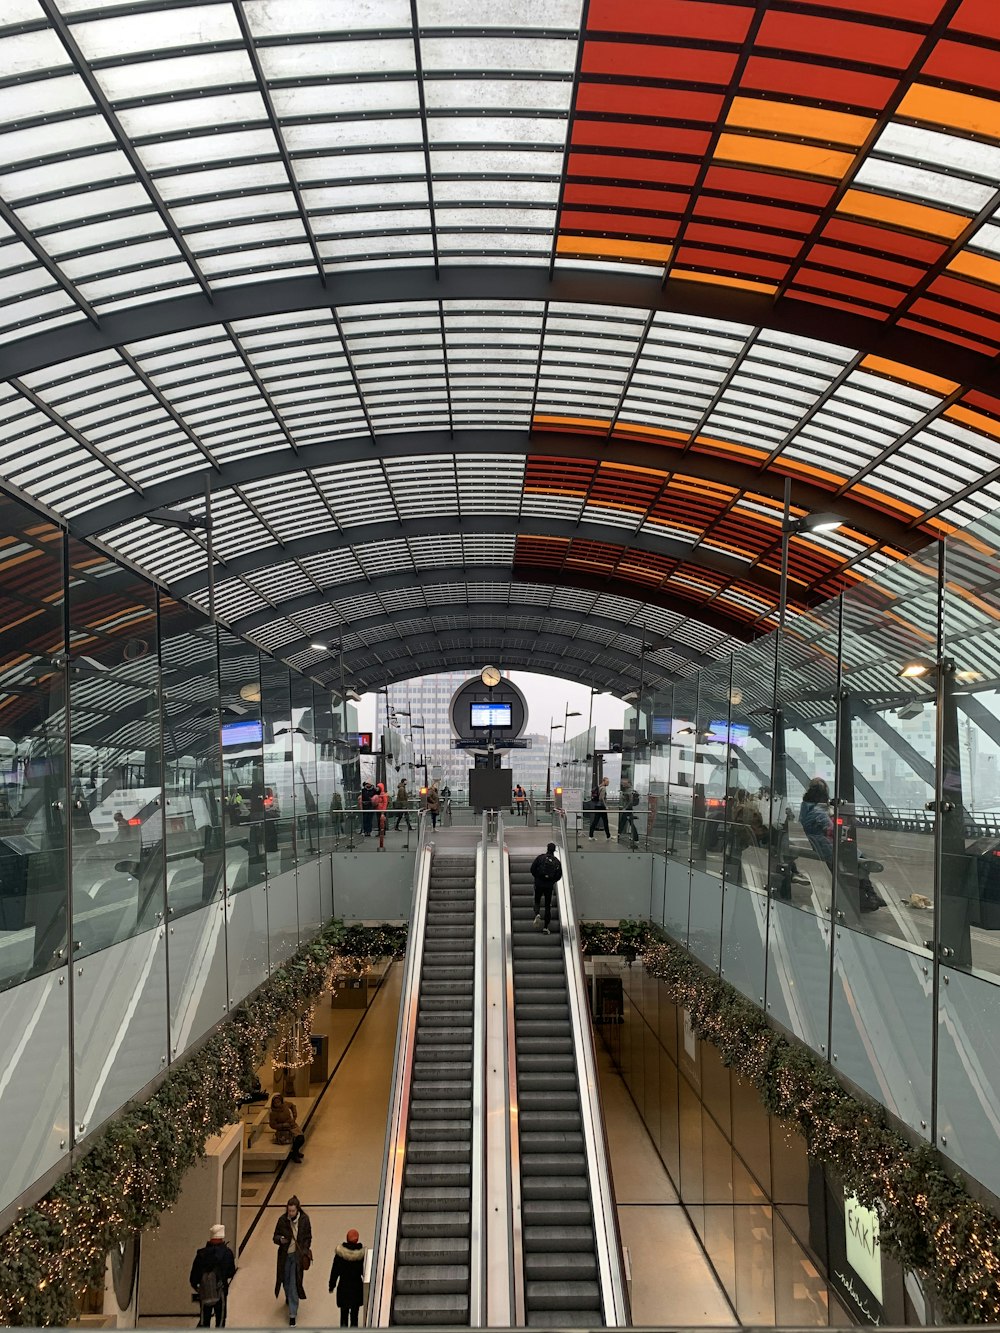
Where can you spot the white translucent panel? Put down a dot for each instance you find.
(212, 180)
(268, 18)
(61, 136)
(496, 53)
(499, 161)
(240, 259)
(515, 219)
(16, 284)
(506, 94)
(155, 30)
(191, 112)
(352, 166)
(85, 204)
(501, 14)
(27, 52)
(146, 223)
(319, 59)
(497, 129)
(207, 211)
(206, 148)
(148, 78)
(395, 131)
(944, 150)
(409, 219)
(374, 245)
(135, 256)
(250, 235)
(987, 238)
(36, 307)
(929, 186)
(42, 97)
(386, 194)
(339, 99)
(67, 175)
(19, 11)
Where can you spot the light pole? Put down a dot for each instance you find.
(566, 717)
(553, 726)
(593, 746)
(419, 726)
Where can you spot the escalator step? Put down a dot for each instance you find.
(434, 1250)
(562, 1319)
(562, 1296)
(554, 1188)
(539, 995)
(436, 1070)
(534, 978)
(424, 1225)
(544, 1045)
(549, 1101)
(552, 1164)
(530, 1063)
(438, 1090)
(432, 1199)
(568, 1266)
(556, 1212)
(449, 1109)
(550, 1141)
(552, 1082)
(432, 1279)
(439, 1131)
(433, 1310)
(567, 1122)
(452, 1004)
(542, 1029)
(437, 1175)
(421, 1152)
(558, 1239)
(448, 958)
(443, 1051)
(431, 986)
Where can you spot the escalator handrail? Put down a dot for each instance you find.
(513, 1139)
(394, 1157)
(477, 1192)
(607, 1235)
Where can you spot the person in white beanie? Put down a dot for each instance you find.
(213, 1269)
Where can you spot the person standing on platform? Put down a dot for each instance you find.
(599, 817)
(433, 804)
(365, 802)
(403, 804)
(380, 803)
(519, 799)
(213, 1269)
(546, 871)
(293, 1237)
(348, 1276)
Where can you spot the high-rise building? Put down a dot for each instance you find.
(427, 700)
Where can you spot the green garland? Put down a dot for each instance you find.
(57, 1248)
(927, 1220)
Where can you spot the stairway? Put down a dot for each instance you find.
(432, 1259)
(560, 1264)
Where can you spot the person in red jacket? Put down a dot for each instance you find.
(380, 803)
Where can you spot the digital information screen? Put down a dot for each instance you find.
(497, 716)
(364, 742)
(242, 733)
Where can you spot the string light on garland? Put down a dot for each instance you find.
(57, 1249)
(927, 1221)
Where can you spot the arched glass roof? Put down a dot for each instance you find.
(479, 318)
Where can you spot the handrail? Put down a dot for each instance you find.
(511, 1140)
(394, 1159)
(607, 1236)
(478, 1189)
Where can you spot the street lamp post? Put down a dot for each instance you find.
(553, 726)
(566, 717)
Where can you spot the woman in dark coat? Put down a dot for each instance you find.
(293, 1237)
(348, 1276)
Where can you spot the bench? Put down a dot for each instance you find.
(260, 1152)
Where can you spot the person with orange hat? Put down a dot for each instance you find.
(380, 802)
(348, 1276)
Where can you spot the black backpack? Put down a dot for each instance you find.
(549, 869)
(210, 1287)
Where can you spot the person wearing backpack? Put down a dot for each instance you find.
(213, 1269)
(546, 871)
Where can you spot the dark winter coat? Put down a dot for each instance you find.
(283, 1238)
(216, 1254)
(348, 1274)
(546, 870)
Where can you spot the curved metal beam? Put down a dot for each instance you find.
(502, 283)
(473, 525)
(486, 617)
(545, 444)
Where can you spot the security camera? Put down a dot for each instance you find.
(913, 709)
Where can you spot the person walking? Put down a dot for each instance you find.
(365, 802)
(403, 804)
(599, 818)
(348, 1276)
(284, 1120)
(293, 1237)
(546, 871)
(337, 816)
(213, 1269)
(433, 804)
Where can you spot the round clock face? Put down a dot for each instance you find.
(490, 676)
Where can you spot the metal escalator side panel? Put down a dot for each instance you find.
(507, 1249)
(477, 1234)
(610, 1257)
(397, 1125)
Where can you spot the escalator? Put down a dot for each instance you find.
(561, 1273)
(432, 1269)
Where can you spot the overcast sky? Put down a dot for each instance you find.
(547, 699)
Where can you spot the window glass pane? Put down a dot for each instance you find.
(242, 762)
(278, 798)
